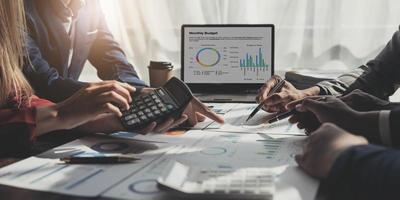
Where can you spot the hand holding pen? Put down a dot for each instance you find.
(313, 111)
(292, 109)
(288, 93)
(277, 87)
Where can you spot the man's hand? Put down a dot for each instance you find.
(323, 147)
(197, 112)
(277, 102)
(325, 109)
(194, 112)
(322, 109)
(361, 101)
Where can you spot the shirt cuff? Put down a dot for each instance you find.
(384, 127)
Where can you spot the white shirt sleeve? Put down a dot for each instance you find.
(384, 127)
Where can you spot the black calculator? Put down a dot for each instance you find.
(167, 101)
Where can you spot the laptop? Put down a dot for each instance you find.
(227, 63)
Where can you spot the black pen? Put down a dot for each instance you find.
(275, 89)
(283, 115)
(98, 159)
(289, 113)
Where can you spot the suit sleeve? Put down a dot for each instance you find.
(109, 59)
(365, 172)
(378, 77)
(394, 124)
(17, 128)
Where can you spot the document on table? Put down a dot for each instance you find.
(46, 173)
(138, 180)
(226, 150)
(235, 115)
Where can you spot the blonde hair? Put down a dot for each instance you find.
(12, 50)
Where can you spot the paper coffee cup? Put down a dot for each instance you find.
(159, 73)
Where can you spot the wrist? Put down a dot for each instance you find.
(391, 106)
(61, 116)
(47, 119)
(312, 91)
(367, 124)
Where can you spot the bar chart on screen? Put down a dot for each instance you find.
(254, 64)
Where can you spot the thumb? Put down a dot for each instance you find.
(299, 159)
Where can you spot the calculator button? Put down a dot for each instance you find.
(150, 104)
(160, 105)
(170, 107)
(157, 112)
(150, 115)
(142, 107)
(249, 191)
(147, 110)
(219, 191)
(129, 117)
(157, 101)
(251, 180)
(147, 100)
(163, 109)
(265, 191)
(144, 118)
(139, 103)
(153, 108)
(234, 191)
(131, 122)
(140, 113)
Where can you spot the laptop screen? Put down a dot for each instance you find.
(231, 54)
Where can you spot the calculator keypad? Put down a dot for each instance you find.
(242, 181)
(146, 109)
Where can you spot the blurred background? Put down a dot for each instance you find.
(330, 35)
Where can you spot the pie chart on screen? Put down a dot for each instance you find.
(208, 57)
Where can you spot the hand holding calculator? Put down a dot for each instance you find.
(167, 101)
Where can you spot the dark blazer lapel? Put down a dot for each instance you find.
(57, 33)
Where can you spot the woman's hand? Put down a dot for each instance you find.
(108, 97)
(87, 104)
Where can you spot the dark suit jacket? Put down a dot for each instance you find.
(368, 171)
(365, 172)
(48, 46)
(379, 77)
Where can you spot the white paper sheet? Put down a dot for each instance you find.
(235, 115)
(236, 122)
(46, 173)
(223, 149)
(227, 150)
